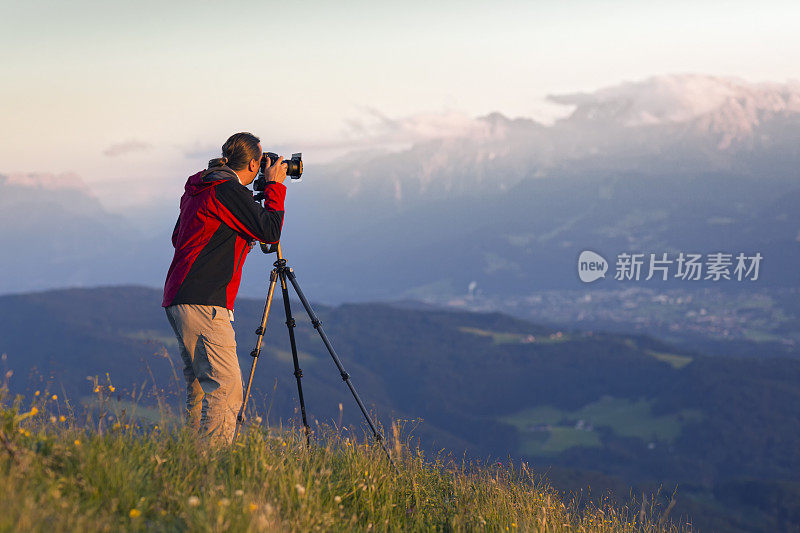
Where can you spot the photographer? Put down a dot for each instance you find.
(218, 224)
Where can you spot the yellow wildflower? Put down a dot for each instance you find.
(36, 393)
(34, 411)
(77, 442)
(135, 513)
(111, 388)
(62, 418)
(55, 397)
(253, 507)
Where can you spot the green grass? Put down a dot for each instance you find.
(560, 439)
(499, 337)
(112, 473)
(635, 419)
(761, 335)
(674, 360)
(625, 418)
(129, 409)
(542, 414)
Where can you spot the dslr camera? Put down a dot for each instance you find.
(294, 168)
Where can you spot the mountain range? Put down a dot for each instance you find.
(673, 163)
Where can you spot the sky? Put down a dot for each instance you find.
(144, 92)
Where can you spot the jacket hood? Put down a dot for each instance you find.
(206, 179)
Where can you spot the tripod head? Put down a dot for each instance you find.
(270, 248)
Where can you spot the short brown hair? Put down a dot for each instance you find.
(240, 149)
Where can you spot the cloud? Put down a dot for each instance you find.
(659, 99)
(382, 129)
(127, 147)
(724, 110)
(373, 129)
(44, 180)
(680, 98)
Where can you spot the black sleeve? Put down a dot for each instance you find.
(175, 232)
(242, 213)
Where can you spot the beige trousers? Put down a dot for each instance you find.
(211, 368)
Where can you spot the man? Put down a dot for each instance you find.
(218, 224)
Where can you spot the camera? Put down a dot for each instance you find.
(294, 168)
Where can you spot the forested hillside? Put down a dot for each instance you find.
(584, 407)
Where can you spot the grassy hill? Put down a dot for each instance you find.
(110, 473)
(586, 408)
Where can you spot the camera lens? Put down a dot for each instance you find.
(294, 166)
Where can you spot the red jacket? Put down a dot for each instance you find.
(218, 220)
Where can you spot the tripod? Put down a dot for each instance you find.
(284, 273)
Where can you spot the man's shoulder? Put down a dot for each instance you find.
(232, 194)
(234, 186)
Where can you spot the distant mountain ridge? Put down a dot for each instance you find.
(728, 106)
(672, 163)
(724, 114)
(678, 123)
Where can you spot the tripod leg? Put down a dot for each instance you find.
(273, 278)
(298, 373)
(345, 376)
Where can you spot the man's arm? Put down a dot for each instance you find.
(238, 209)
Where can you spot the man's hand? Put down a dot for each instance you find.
(276, 171)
